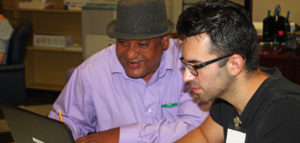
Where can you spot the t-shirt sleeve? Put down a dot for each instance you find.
(281, 123)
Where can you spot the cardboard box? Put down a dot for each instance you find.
(58, 41)
(36, 4)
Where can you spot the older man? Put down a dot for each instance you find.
(131, 91)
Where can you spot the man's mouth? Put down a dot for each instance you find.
(134, 64)
(195, 90)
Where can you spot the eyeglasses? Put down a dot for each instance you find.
(193, 68)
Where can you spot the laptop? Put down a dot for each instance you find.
(29, 127)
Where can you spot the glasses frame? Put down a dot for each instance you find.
(198, 66)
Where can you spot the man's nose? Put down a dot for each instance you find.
(132, 52)
(187, 76)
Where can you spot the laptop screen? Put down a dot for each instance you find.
(29, 127)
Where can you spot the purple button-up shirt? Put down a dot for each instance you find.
(100, 96)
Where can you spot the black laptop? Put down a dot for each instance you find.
(29, 127)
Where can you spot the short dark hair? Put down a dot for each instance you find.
(228, 25)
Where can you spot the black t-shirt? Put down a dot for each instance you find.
(272, 115)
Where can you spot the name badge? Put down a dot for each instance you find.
(235, 136)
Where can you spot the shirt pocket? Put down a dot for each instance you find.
(170, 113)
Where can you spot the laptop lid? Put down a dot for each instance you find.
(29, 127)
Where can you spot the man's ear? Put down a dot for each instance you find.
(165, 42)
(235, 64)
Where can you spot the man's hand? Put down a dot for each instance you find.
(109, 136)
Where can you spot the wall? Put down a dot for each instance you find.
(261, 7)
(174, 7)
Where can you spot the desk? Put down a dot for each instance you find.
(287, 61)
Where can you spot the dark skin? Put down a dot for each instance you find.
(140, 59)
(109, 136)
(1, 57)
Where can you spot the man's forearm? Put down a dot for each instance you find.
(109, 136)
(195, 136)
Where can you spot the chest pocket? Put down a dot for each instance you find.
(169, 113)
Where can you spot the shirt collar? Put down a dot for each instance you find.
(170, 56)
(116, 65)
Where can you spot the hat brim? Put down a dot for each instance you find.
(112, 33)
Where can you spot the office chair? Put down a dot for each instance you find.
(12, 75)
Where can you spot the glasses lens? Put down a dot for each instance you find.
(192, 70)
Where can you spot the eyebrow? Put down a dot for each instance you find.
(192, 61)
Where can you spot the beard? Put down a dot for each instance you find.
(204, 94)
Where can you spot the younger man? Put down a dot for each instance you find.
(253, 104)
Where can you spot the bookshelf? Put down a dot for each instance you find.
(46, 67)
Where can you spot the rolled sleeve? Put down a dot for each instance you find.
(129, 134)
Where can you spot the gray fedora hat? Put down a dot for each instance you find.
(140, 20)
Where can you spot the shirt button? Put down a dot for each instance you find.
(149, 110)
